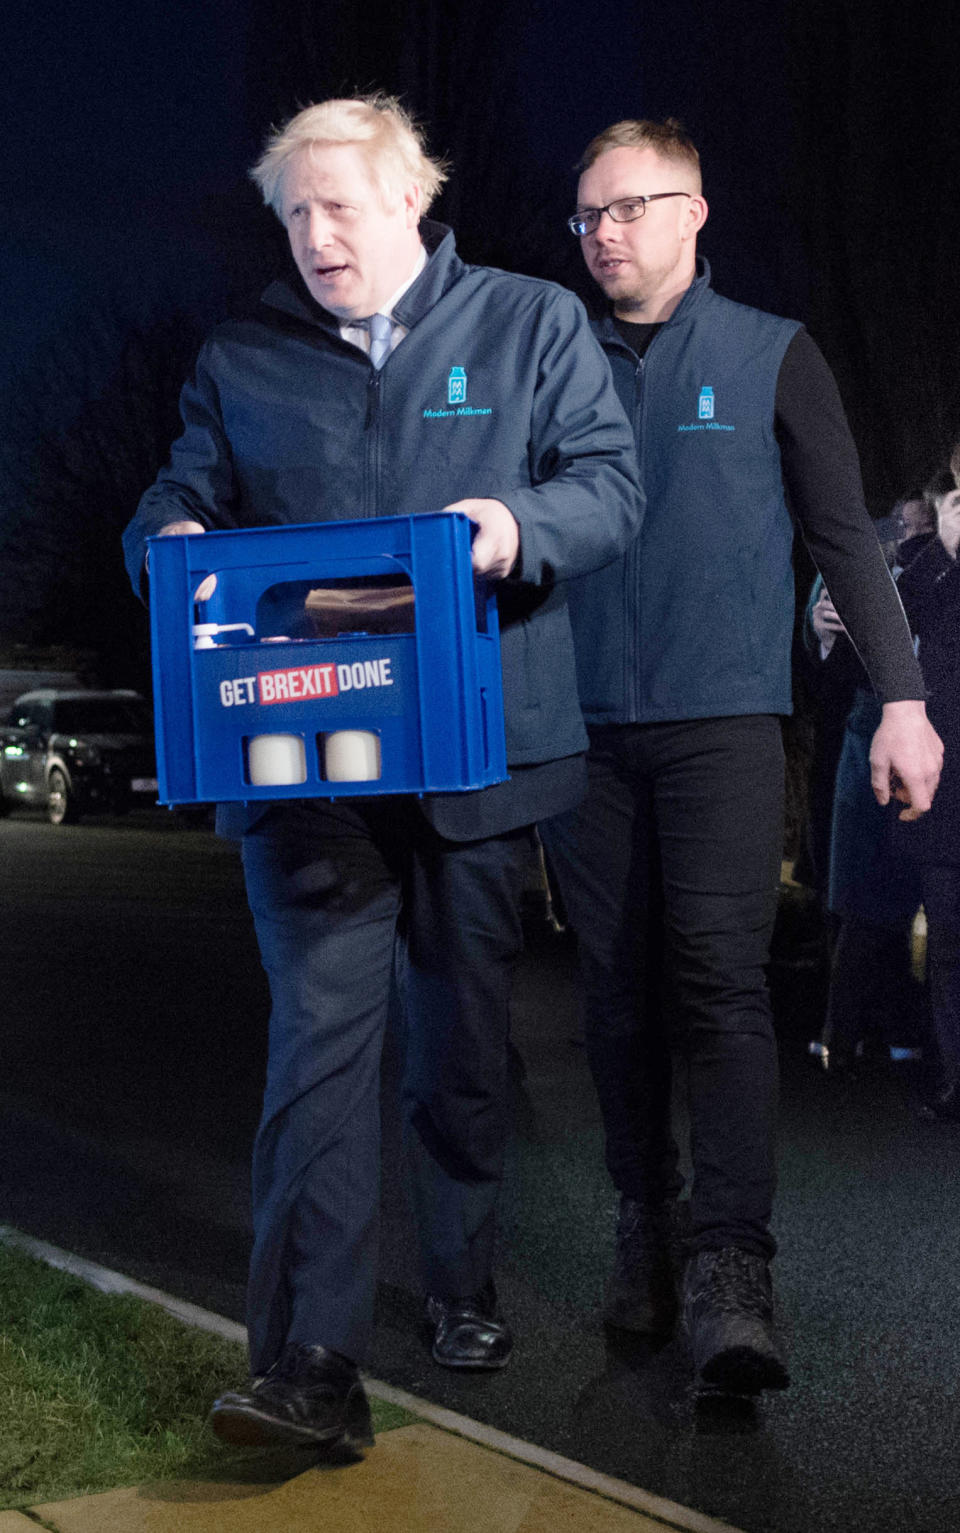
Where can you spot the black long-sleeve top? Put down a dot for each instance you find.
(821, 475)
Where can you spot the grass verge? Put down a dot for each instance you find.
(99, 1391)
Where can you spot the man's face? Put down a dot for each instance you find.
(350, 250)
(645, 266)
(948, 520)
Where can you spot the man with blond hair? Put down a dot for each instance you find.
(335, 400)
(670, 867)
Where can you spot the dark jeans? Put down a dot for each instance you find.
(330, 886)
(669, 872)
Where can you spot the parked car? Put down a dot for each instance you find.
(71, 752)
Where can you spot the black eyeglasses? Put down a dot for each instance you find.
(623, 211)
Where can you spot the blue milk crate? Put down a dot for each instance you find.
(332, 660)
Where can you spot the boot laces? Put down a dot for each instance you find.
(734, 1282)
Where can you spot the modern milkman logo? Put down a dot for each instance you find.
(706, 413)
(456, 405)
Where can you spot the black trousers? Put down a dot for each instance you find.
(940, 884)
(873, 994)
(330, 887)
(669, 871)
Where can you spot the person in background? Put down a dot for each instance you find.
(341, 396)
(670, 869)
(914, 526)
(832, 672)
(930, 590)
(872, 892)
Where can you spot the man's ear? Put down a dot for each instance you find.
(412, 202)
(695, 216)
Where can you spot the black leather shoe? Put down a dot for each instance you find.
(469, 1333)
(728, 1315)
(643, 1288)
(310, 1398)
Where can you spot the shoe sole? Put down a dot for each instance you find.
(742, 1371)
(470, 1366)
(243, 1427)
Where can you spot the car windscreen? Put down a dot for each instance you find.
(101, 716)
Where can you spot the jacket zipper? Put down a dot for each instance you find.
(371, 427)
(631, 646)
(631, 595)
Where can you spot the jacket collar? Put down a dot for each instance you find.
(290, 296)
(692, 299)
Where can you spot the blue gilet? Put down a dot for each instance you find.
(695, 620)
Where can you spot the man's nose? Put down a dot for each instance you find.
(605, 227)
(319, 230)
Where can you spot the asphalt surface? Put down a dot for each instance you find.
(134, 1008)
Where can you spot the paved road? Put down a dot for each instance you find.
(133, 1010)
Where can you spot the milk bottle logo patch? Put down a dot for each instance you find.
(705, 404)
(455, 407)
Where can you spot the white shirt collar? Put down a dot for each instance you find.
(357, 332)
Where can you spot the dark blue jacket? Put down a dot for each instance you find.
(695, 620)
(285, 422)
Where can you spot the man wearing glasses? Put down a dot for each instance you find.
(670, 868)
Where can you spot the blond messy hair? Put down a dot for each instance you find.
(668, 139)
(380, 127)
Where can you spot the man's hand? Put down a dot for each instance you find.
(206, 587)
(173, 529)
(826, 622)
(906, 755)
(497, 544)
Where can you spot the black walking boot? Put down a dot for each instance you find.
(642, 1292)
(728, 1315)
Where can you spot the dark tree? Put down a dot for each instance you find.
(89, 426)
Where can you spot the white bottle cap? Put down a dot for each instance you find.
(276, 760)
(352, 755)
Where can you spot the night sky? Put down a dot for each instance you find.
(826, 128)
(122, 121)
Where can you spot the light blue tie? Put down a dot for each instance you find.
(381, 332)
